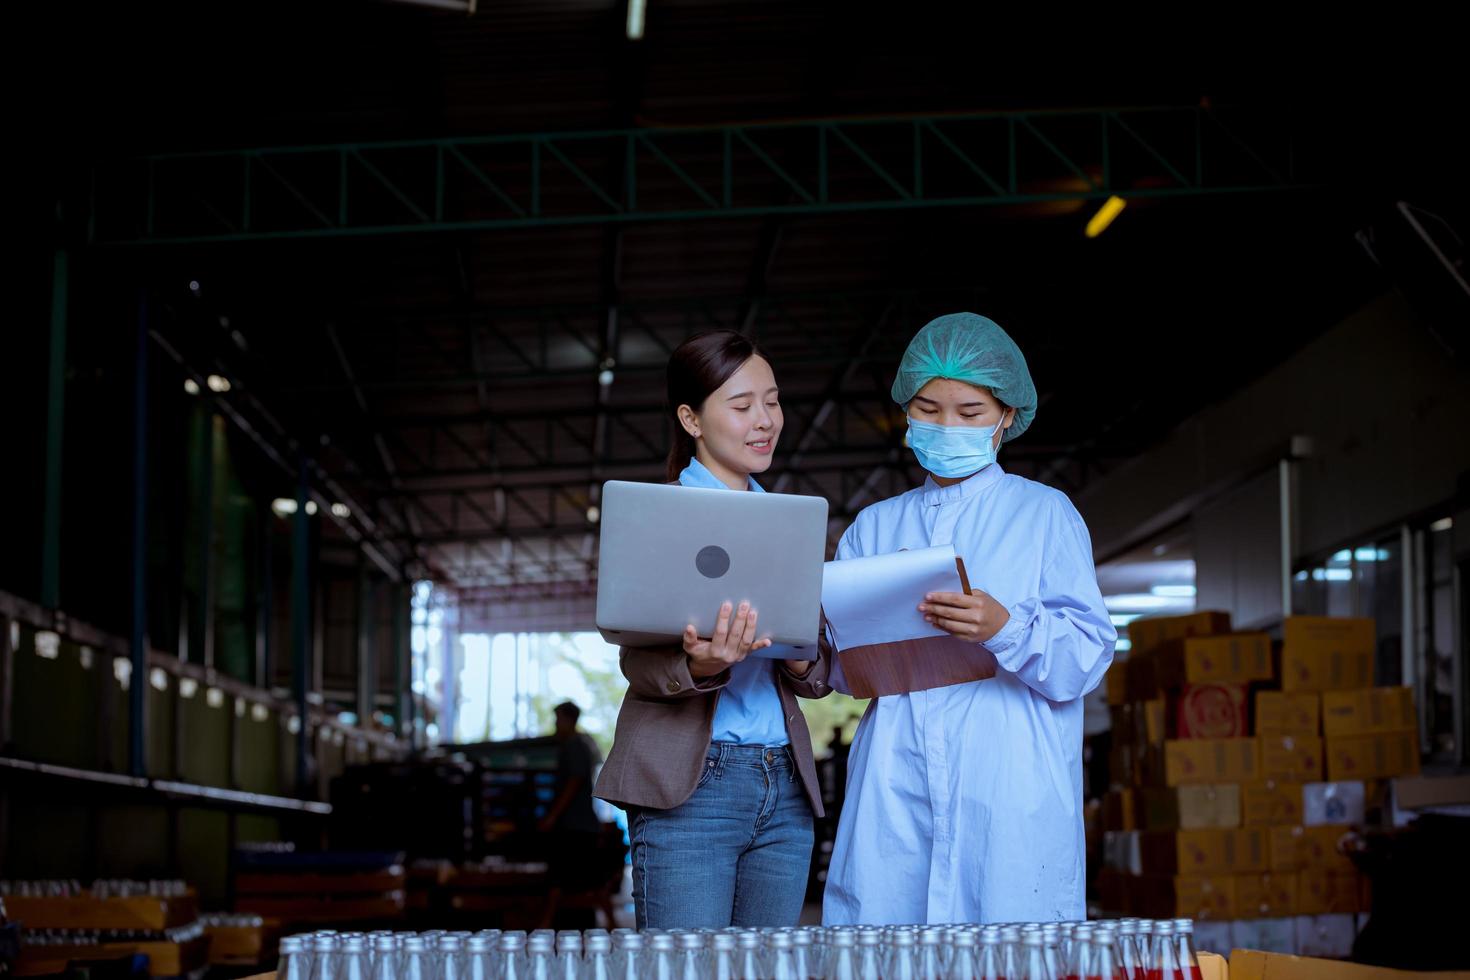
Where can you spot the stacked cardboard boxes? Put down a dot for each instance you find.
(1240, 765)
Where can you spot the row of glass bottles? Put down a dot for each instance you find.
(1124, 949)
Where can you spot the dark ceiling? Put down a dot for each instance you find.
(446, 377)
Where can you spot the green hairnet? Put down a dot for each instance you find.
(973, 349)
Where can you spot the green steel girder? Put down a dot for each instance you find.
(660, 174)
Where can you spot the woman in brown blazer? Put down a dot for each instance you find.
(711, 757)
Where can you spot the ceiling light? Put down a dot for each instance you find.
(1141, 602)
(1175, 591)
(1111, 208)
(48, 644)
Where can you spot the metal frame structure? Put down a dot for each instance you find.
(640, 175)
(497, 500)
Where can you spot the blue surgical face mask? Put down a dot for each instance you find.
(952, 450)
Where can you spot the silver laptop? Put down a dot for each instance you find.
(671, 555)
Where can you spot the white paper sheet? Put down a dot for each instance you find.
(875, 599)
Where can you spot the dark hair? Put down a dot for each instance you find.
(697, 369)
(570, 709)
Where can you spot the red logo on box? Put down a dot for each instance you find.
(1211, 711)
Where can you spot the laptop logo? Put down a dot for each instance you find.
(712, 561)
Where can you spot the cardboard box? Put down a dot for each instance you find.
(1191, 807)
(1322, 892)
(1370, 711)
(1281, 713)
(1120, 721)
(1333, 803)
(1116, 891)
(1418, 792)
(1269, 935)
(1123, 764)
(1256, 965)
(1213, 966)
(238, 945)
(1120, 809)
(1270, 803)
(1285, 850)
(1153, 720)
(1203, 852)
(1153, 631)
(1321, 653)
(84, 912)
(1150, 765)
(1372, 756)
(1233, 658)
(165, 959)
(1266, 895)
(1308, 848)
(1291, 758)
(1320, 850)
(1326, 935)
(1210, 760)
(1208, 711)
(1120, 851)
(1142, 682)
(1186, 896)
(1434, 794)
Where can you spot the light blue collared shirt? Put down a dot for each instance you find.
(749, 710)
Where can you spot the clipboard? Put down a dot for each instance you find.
(919, 664)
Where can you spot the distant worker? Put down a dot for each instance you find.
(576, 758)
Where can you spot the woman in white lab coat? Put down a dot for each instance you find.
(964, 803)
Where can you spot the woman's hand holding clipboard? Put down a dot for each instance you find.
(885, 644)
(969, 615)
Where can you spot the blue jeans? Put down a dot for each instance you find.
(736, 853)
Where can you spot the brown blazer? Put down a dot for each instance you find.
(664, 727)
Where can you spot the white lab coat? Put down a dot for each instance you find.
(964, 803)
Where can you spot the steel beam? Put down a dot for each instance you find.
(55, 423)
(818, 166)
(138, 636)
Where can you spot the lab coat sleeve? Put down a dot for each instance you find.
(1060, 642)
(662, 674)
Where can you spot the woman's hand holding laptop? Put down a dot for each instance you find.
(731, 643)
